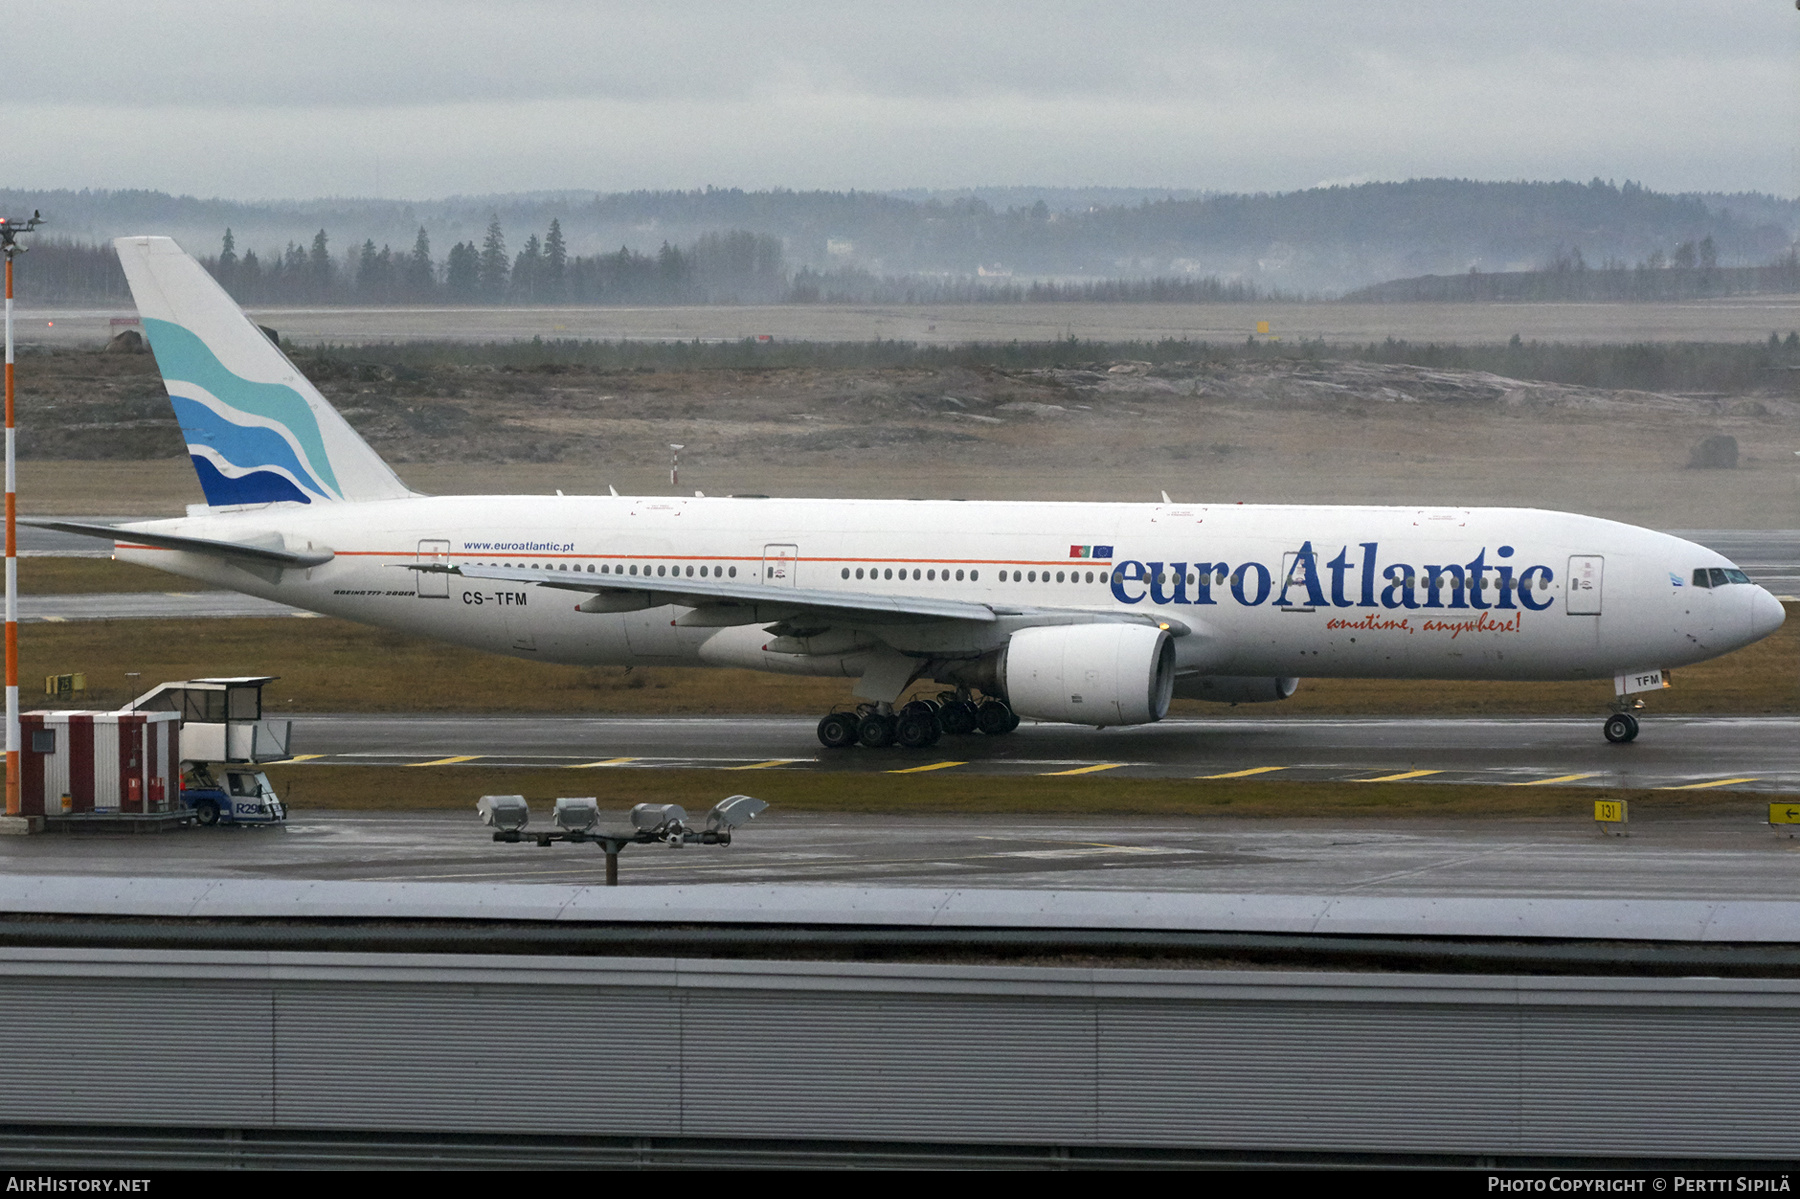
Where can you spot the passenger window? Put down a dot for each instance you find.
(690, 572)
(846, 573)
(1718, 577)
(888, 573)
(915, 575)
(974, 574)
(930, 575)
(1059, 576)
(1103, 576)
(1090, 576)
(959, 576)
(733, 572)
(859, 571)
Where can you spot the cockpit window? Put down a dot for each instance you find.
(1718, 577)
(1701, 578)
(1715, 576)
(1736, 576)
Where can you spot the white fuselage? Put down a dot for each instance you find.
(1233, 577)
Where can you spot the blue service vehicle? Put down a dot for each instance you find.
(242, 796)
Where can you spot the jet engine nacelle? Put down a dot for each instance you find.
(1235, 689)
(1099, 674)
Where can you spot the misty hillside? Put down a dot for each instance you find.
(1323, 241)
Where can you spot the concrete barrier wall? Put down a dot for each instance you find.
(585, 1047)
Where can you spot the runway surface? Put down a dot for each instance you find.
(1731, 319)
(148, 605)
(1729, 856)
(1678, 752)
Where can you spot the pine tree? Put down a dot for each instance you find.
(493, 263)
(322, 267)
(421, 276)
(556, 264)
(367, 270)
(462, 272)
(228, 262)
(525, 271)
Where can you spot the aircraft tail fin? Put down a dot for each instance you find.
(258, 432)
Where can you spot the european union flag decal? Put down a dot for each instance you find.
(1090, 551)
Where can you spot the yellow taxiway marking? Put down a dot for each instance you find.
(448, 761)
(296, 758)
(1704, 786)
(769, 763)
(601, 762)
(928, 766)
(1084, 769)
(1561, 778)
(1394, 778)
(1244, 774)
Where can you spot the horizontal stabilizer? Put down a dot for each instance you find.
(273, 554)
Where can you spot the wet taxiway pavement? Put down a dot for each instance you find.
(1727, 855)
(1690, 752)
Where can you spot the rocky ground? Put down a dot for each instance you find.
(1252, 431)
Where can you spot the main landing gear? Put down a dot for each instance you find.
(917, 725)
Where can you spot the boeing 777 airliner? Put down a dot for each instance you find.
(1089, 613)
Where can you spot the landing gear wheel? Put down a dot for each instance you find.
(875, 731)
(207, 812)
(915, 730)
(1621, 727)
(838, 730)
(995, 718)
(957, 717)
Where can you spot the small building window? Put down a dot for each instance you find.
(43, 741)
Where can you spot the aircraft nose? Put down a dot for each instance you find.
(1766, 614)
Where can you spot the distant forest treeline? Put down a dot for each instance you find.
(1326, 240)
(1691, 273)
(735, 267)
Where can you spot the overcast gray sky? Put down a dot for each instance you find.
(262, 99)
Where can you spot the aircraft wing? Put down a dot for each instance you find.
(723, 602)
(274, 554)
(729, 593)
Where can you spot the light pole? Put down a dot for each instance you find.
(10, 229)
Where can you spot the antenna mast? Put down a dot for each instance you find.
(10, 228)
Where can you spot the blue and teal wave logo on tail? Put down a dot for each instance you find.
(251, 443)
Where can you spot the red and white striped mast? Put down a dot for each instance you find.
(9, 232)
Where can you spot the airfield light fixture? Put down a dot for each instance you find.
(734, 811)
(10, 229)
(576, 815)
(675, 465)
(508, 813)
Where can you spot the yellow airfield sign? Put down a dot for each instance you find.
(1784, 813)
(1609, 811)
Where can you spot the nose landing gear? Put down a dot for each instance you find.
(1621, 727)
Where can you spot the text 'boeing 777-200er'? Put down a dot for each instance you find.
(1089, 613)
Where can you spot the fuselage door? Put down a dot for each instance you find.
(1584, 585)
(781, 565)
(433, 584)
